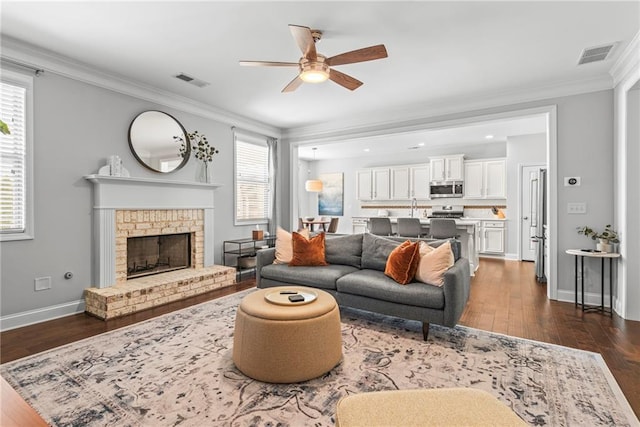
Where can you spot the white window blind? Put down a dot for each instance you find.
(252, 180)
(13, 160)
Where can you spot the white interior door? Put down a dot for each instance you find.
(529, 193)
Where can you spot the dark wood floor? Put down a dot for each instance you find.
(505, 298)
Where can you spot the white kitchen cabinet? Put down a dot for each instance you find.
(364, 185)
(492, 237)
(473, 179)
(485, 179)
(373, 184)
(400, 183)
(419, 181)
(411, 181)
(358, 225)
(450, 168)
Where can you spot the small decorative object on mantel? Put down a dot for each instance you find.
(203, 152)
(113, 167)
(606, 238)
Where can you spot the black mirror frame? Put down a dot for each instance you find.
(184, 135)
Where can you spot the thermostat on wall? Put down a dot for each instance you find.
(571, 181)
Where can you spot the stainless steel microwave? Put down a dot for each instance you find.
(445, 189)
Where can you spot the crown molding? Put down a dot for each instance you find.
(628, 62)
(36, 57)
(416, 117)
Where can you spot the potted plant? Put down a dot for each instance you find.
(606, 237)
(202, 150)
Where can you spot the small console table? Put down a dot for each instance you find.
(241, 253)
(581, 254)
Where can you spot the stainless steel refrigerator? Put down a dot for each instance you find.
(539, 221)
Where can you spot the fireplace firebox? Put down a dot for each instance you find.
(148, 255)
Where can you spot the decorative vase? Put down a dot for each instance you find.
(203, 173)
(604, 246)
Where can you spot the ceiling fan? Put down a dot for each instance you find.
(316, 68)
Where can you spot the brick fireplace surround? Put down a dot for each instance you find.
(133, 207)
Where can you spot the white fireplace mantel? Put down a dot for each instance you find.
(113, 193)
(117, 192)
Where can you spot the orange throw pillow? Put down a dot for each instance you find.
(434, 262)
(309, 252)
(403, 262)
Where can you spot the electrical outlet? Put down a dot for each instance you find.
(576, 208)
(42, 283)
(572, 181)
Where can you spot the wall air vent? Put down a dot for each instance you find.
(595, 54)
(191, 80)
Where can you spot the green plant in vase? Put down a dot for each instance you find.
(606, 237)
(201, 149)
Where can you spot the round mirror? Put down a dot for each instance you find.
(159, 141)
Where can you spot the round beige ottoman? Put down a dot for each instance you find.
(278, 343)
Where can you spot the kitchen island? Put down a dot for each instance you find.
(467, 227)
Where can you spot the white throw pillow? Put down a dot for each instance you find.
(284, 245)
(433, 263)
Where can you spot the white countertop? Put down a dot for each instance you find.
(459, 221)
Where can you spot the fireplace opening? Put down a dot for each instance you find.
(148, 255)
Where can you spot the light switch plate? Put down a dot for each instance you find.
(576, 208)
(572, 181)
(42, 283)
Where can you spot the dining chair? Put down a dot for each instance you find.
(300, 224)
(409, 227)
(380, 226)
(443, 228)
(333, 225)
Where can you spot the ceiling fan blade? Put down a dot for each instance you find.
(365, 54)
(293, 85)
(344, 80)
(304, 39)
(268, 64)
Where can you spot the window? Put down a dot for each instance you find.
(252, 180)
(16, 217)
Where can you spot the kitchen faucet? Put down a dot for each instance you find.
(414, 206)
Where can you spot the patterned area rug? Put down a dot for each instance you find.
(177, 370)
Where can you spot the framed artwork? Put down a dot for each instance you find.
(331, 198)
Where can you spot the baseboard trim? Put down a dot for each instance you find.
(26, 318)
(590, 298)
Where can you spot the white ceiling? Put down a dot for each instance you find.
(439, 52)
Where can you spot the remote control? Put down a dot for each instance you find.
(288, 293)
(296, 298)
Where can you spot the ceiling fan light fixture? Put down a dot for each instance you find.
(314, 71)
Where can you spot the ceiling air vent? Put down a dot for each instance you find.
(191, 80)
(595, 54)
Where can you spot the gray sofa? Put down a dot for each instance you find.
(355, 277)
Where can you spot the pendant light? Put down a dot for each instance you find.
(313, 185)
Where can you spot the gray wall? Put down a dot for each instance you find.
(77, 126)
(521, 150)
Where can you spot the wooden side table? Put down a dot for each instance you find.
(581, 254)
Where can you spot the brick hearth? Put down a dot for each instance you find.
(150, 291)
